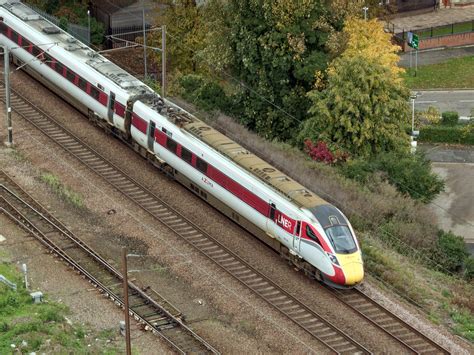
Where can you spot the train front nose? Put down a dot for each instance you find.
(352, 267)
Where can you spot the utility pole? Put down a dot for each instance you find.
(125, 297)
(365, 8)
(163, 60)
(6, 71)
(144, 41)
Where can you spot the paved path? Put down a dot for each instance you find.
(435, 56)
(434, 18)
(461, 101)
(454, 207)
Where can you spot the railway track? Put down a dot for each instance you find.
(411, 338)
(163, 320)
(313, 323)
(298, 312)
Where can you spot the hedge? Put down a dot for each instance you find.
(445, 134)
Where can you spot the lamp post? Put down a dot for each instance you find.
(365, 8)
(6, 71)
(413, 98)
(89, 26)
(125, 303)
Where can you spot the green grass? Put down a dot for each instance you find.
(64, 192)
(454, 73)
(462, 27)
(43, 327)
(445, 300)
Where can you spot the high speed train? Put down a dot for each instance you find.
(309, 232)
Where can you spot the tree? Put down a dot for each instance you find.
(186, 32)
(368, 39)
(277, 46)
(361, 109)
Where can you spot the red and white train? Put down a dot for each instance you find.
(308, 231)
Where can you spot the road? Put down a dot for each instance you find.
(435, 56)
(453, 207)
(461, 101)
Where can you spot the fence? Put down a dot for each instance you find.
(122, 36)
(82, 33)
(438, 31)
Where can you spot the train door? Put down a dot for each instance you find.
(151, 135)
(297, 237)
(271, 220)
(110, 111)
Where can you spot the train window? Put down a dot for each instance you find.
(36, 51)
(341, 239)
(310, 234)
(82, 84)
(70, 75)
(26, 44)
(186, 155)
(94, 92)
(59, 67)
(201, 165)
(3, 28)
(14, 36)
(171, 145)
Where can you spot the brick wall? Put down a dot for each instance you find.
(460, 39)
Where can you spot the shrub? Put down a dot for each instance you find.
(319, 152)
(447, 134)
(206, 94)
(410, 174)
(469, 268)
(450, 251)
(449, 118)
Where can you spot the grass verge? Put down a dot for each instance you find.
(454, 73)
(26, 327)
(444, 299)
(64, 192)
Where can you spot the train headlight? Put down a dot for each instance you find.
(333, 259)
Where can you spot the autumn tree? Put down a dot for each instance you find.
(369, 40)
(277, 46)
(361, 110)
(186, 28)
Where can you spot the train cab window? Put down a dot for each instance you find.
(341, 239)
(94, 92)
(82, 84)
(171, 145)
(70, 75)
(201, 165)
(186, 155)
(311, 235)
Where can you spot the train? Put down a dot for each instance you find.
(312, 234)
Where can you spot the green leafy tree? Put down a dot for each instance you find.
(277, 46)
(361, 109)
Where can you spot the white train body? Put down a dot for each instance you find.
(274, 207)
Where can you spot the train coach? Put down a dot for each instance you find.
(305, 229)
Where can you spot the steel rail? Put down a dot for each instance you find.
(413, 339)
(298, 312)
(179, 336)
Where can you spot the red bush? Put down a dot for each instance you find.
(322, 152)
(319, 152)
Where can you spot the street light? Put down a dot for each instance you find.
(6, 70)
(365, 8)
(89, 26)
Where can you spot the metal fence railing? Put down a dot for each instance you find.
(438, 31)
